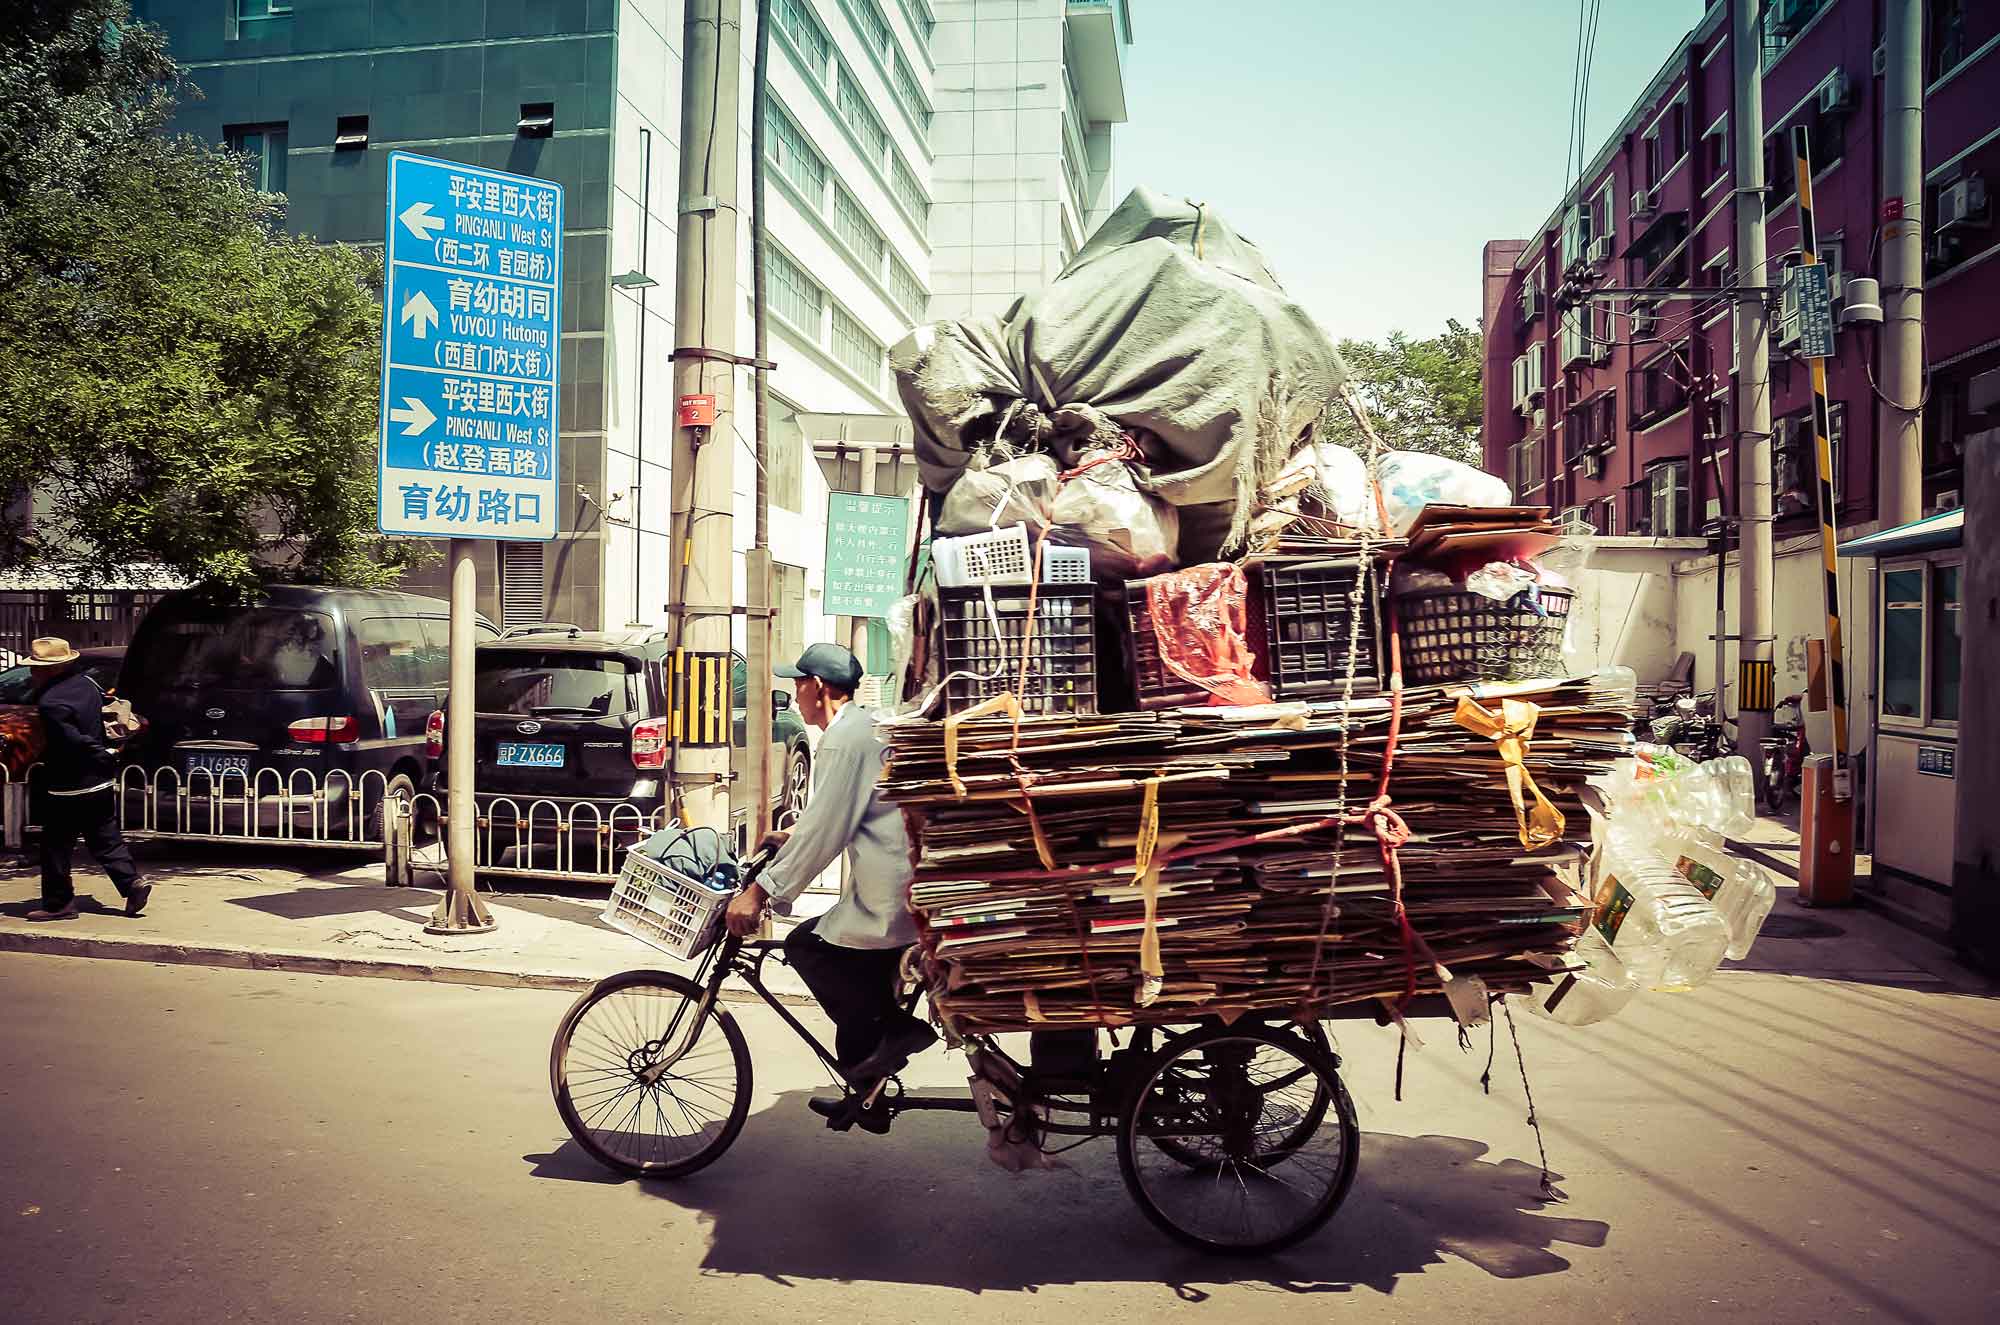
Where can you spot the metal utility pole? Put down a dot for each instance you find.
(1756, 567)
(757, 566)
(702, 581)
(1899, 471)
(460, 911)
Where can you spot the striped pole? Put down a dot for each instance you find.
(1836, 665)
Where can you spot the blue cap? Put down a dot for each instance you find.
(830, 663)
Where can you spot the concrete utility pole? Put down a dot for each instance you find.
(1755, 658)
(757, 566)
(460, 911)
(1899, 471)
(701, 584)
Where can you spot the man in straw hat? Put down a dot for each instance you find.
(78, 770)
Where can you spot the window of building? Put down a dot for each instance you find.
(1604, 212)
(795, 296)
(858, 232)
(1715, 273)
(907, 290)
(854, 347)
(921, 22)
(1073, 169)
(903, 182)
(1529, 457)
(1665, 143)
(788, 629)
(861, 116)
(1658, 388)
(797, 21)
(1921, 613)
(1944, 429)
(1795, 467)
(1783, 22)
(1958, 212)
(1657, 505)
(796, 159)
(1604, 515)
(910, 91)
(874, 25)
(248, 11)
(1947, 31)
(1575, 234)
(1826, 140)
(1715, 149)
(266, 146)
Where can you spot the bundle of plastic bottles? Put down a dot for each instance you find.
(1671, 899)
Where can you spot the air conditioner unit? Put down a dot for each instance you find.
(1599, 250)
(1879, 65)
(1836, 94)
(1593, 465)
(1600, 351)
(1946, 501)
(1538, 420)
(1962, 204)
(1645, 321)
(1642, 203)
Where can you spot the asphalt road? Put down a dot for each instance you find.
(205, 1145)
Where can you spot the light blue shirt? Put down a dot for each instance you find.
(847, 813)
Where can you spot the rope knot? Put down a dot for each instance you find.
(1389, 827)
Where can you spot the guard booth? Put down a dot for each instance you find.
(1912, 807)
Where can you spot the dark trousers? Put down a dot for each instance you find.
(856, 987)
(95, 819)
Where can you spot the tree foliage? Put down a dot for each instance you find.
(181, 383)
(1421, 395)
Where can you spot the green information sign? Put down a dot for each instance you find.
(865, 538)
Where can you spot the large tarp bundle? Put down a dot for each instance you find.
(1167, 325)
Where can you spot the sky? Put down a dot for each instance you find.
(1369, 148)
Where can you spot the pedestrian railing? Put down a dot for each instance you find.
(296, 808)
(556, 841)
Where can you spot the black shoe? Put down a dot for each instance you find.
(842, 1114)
(901, 1043)
(135, 901)
(67, 911)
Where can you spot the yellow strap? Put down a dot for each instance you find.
(1000, 703)
(1147, 862)
(1510, 730)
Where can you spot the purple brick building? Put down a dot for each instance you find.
(1623, 414)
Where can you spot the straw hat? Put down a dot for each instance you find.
(50, 652)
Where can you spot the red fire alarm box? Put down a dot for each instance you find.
(697, 411)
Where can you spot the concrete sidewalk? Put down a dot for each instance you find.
(326, 913)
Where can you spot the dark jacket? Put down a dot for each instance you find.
(77, 756)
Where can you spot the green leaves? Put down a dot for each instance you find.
(182, 384)
(1422, 395)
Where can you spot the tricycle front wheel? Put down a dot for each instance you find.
(1239, 1139)
(628, 1108)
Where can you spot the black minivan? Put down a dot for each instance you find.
(289, 691)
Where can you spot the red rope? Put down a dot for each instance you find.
(1125, 448)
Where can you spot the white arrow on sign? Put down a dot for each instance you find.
(415, 419)
(417, 217)
(417, 311)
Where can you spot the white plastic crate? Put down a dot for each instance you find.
(1065, 565)
(998, 556)
(664, 908)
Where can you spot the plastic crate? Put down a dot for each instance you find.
(664, 908)
(1309, 623)
(1153, 685)
(998, 556)
(1062, 657)
(1451, 635)
(1065, 565)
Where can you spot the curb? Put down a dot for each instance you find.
(310, 963)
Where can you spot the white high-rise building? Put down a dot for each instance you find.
(1027, 94)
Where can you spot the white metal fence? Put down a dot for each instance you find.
(301, 808)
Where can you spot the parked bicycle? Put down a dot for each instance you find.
(1234, 1138)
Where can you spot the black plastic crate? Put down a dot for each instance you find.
(1153, 685)
(1308, 625)
(1062, 652)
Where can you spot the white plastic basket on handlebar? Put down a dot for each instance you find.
(665, 908)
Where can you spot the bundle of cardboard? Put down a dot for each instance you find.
(1164, 866)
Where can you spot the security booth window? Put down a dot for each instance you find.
(551, 684)
(1920, 643)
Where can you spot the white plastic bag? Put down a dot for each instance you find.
(1130, 532)
(1016, 491)
(1412, 480)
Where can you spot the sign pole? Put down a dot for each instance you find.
(460, 911)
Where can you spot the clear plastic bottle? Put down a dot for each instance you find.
(1667, 933)
(1741, 890)
(1596, 993)
(1733, 795)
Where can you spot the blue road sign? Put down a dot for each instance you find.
(471, 340)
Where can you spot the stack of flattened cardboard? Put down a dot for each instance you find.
(1165, 866)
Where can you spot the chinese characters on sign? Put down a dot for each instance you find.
(865, 541)
(1815, 312)
(472, 326)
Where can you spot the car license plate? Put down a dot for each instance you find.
(530, 754)
(218, 766)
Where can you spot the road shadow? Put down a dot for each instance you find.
(792, 1202)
